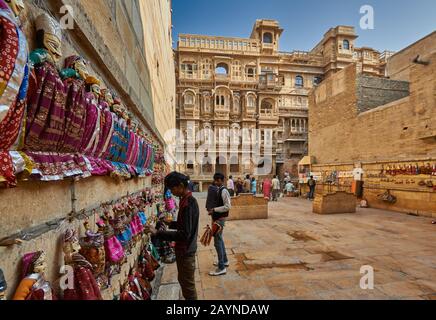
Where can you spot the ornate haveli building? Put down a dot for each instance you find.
(234, 83)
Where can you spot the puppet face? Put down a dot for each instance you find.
(16, 6)
(82, 68)
(40, 264)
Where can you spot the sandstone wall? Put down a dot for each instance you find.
(398, 134)
(403, 129)
(122, 40)
(399, 65)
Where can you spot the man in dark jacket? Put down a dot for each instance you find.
(219, 214)
(212, 197)
(185, 234)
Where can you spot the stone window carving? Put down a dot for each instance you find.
(346, 45)
(236, 70)
(267, 107)
(236, 104)
(206, 69)
(189, 99)
(299, 81)
(251, 101)
(251, 72)
(189, 70)
(267, 37)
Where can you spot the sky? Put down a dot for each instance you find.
(397, 23)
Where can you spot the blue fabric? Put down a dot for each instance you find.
(143, 218)
(220, 247)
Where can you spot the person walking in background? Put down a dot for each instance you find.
(190, 184)
(247, 184)
(219, 215)
(239, 186)
(266, 188)
(184, 232)
(276, 188)
(253, 186)
(312, 187)
(231, 186)
(289, 189)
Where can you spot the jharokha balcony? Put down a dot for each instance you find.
(219, 44)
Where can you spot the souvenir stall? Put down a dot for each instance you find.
(405, 186)
(60, 126)
(304, 173)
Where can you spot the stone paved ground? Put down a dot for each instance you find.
(299, 255)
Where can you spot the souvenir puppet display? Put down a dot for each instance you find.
(85, 287)
(14, 80)
(3, 286)
(92, 248)
(33, 285)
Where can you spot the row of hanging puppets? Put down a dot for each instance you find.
(99, 255)
(55, 123)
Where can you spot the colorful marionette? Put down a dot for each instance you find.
(113, 249)
(33, 285)
(121, 227)
(85, 286)
(14, 80)
(92, 248)
(74, 75)
(45, 125)
(3, 286)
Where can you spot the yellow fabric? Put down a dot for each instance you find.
(24, 289)
(307, 160)
(28, 167)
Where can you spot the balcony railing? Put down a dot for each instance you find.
(271, 81)
(219, 43)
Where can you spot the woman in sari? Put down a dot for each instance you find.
(267, 185)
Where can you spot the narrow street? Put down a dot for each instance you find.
(299, 255)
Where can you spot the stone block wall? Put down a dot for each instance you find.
(399, 65)
(248, 207)
(374, 92)
(403, 129)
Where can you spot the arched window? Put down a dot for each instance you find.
(250, 73)
(299, 82)
(222, 69)
(346, 45)
(267, 37)
(251, 101)
(189, 99)
(266, 107)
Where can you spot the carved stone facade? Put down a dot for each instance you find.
(236, 83)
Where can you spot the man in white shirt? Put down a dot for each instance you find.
(219, 215)
(231, 186)
(276, 188)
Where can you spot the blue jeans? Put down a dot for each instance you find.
(220, 247)
(312, 193)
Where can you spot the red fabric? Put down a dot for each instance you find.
(85, 286)
(9, 49)
(7, 169)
